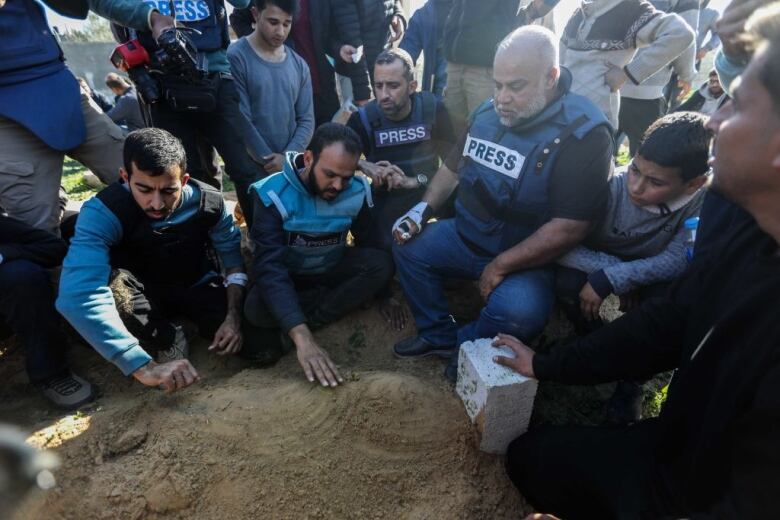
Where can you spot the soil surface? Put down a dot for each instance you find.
(393, 442)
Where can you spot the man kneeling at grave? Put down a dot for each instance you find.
(531, 172)
(145, 250)
(304, 274)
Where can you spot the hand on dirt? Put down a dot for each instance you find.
(523, 362)
(316, 362)
(590, 302)
(393, 313)
(228, 339)
(541, 516)
(171, 376)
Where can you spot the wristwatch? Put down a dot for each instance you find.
(422, 179)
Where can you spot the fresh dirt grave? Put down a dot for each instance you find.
(393, 442)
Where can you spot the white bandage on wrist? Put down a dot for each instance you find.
(415, 215)
(236, 279)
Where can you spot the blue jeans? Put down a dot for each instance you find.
(27, 307)
(520, 305)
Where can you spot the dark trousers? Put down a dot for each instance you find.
(147, 309)
(636, 116)
(591, 472)
(325, 298)
(197, 130)
(569, 283)
(27, 308)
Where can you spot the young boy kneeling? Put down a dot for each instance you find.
(638, 248)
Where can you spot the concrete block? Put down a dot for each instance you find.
(498, 400)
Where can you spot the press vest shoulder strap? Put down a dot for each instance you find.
(120, 202)
(481, 109)
(212, 205)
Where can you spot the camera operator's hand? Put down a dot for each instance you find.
(159, 22)
(409, 224)
(275, 162)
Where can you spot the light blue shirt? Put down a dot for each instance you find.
(85, 298)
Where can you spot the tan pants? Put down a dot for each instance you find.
(30, 170)
(467, 88)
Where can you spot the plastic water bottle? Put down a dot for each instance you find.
(690, 237)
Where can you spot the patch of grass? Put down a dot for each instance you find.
(653, 402)
(622, 157)
(73, 181)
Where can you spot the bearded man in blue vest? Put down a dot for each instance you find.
(304, 274)
(532, 171)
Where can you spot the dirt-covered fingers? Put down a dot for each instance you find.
(180, 374)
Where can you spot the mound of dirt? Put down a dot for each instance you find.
(393, 442)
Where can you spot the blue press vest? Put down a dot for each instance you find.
(207, 16)
(37, 90)
(502, 194)
(28, 49)
(315, 229)
(408, 145)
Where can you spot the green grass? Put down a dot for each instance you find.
(78, 190)
(73, 181)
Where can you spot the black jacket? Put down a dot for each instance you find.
(366, 23)
(19, 241)
(717, 446)
(474, 29)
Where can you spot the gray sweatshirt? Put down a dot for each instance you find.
(634, 246)
(275, 100)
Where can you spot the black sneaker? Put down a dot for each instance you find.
(416, 347)
(67, 391)
(625, 405)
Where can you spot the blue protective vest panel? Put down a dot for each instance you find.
(28, 49)
(36, 88)
(315, 229)
(408, 145)
(207, 16)
(502, 195)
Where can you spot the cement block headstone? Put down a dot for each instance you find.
(498, 400)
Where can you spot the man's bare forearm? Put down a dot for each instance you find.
(443, 184)
(549, 242)
(235, 295)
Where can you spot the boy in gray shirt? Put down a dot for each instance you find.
(274, 85)
(638, 247)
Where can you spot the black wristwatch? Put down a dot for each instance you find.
(422, 179)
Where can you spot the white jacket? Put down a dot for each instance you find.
(611, 31)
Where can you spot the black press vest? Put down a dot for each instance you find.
(178, 255)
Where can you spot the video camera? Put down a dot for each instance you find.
(176, 55)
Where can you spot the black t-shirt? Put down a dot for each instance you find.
(577, 188)
(442, 131)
